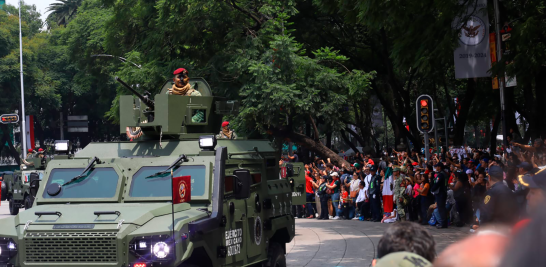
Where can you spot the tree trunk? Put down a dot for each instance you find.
(541, 99)
(329, 140)
(466, 102)
(347, 141)
(310, 144)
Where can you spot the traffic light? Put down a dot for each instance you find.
(425, 113)
(9, 118)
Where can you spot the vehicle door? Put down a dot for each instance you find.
(297, 183)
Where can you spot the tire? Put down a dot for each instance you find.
(275, 256)
(28, 202)
(13, 208)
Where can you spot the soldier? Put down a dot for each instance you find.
(181, 84)
(30, 152)
(40, 153)
(226, 132)
(399, 192)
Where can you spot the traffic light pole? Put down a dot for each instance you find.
(23, 126)
(427, 152)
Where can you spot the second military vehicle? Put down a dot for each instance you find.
(111, 204)
(18, 185)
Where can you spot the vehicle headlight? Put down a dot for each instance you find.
(8, 249)
(149, 249)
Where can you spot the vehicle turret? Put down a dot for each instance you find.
(173, 116)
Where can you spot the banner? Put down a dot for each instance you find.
(29, 125)
(472, 58)
(181, 189)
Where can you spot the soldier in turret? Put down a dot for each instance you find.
(226, 132)
(181, 84)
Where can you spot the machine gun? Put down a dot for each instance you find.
(145, 98)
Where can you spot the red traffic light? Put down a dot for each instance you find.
(424, 103)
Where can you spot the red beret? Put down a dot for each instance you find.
(415, 164)
(40, 150)
(225, 123)
(180, 70)
(30, 150)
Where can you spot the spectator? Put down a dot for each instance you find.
(478, 194)
(390, 217)
(358, 194)
(413, 208)
(361, 199)
(408, 237)
(439, 190)
(323, 198)
(335, 187)
(310, 195)
(462, 193)
(425, 197)
(374, 193)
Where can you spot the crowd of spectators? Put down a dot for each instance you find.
(454, 187)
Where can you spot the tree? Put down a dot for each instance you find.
(63, 11)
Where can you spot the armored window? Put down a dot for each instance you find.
(146, 185)
(98, 183)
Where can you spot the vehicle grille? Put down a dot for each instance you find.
(71, 247)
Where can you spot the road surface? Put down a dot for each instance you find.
(337, 243)
(348, 243)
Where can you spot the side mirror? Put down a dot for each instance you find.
(241, 184)
(34, 179)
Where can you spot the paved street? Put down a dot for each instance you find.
(348, 243)
(338, 243)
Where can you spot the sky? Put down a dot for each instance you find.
(41, 5)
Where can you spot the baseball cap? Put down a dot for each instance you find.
(403, 259)
(469, 171)
(415, 164)
(357, 165)
(396, 169)
(526, 166)
(536, 181)
(496, 171)
(439, 164)
(334, 174)
(373, 168)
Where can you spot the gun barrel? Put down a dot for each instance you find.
(148, 102)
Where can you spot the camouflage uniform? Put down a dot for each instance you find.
(399, 193)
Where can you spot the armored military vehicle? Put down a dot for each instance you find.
(17, 185)
(112, 203)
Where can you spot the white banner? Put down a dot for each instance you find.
(472, 59)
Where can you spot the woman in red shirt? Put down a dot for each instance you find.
(310, 195)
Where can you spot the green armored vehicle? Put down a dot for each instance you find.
(17, 185)
(111, 204)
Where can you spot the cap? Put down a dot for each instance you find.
(486, 160)
(439, 164)
(526, 166)
(536, 181)
(324, 177)
(180, 70)
(496, 171)
(396, 169)
(469, 171)
(414, 164)
(225, 123)
(334, 174)
(30, 150)
(357, 165)
(40, 150)
(403, 259)
(373, 168)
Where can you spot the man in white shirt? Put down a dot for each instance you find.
(361, 201)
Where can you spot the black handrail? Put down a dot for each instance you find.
(99, 213)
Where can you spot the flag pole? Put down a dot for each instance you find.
(172, 203)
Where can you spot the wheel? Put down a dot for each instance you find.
(275, 256)
(28, 202)
(13, 208)
(4, 192)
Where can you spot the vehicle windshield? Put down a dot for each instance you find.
(26, 175)
(99, 183)
(160, 186)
